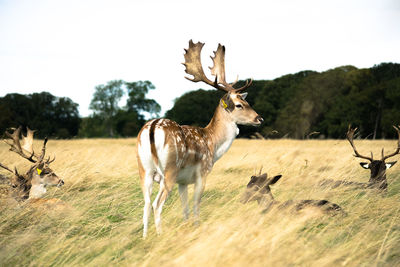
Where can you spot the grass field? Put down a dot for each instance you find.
(101, 221)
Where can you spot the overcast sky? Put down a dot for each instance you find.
(69, 47)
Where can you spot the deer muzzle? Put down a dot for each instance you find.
(60, 183)
(258, 120)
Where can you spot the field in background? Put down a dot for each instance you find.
(101, 223)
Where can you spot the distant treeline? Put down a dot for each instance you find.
(307, 104)
(52, 116)
(310, 104)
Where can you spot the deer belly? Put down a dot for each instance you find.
(187, 175)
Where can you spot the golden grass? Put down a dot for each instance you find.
(102, 223)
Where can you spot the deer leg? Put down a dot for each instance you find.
(166, 185)
(183, 193)
(198, 192)
(158, 205)
(147, 189)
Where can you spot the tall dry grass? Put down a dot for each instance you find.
(101, 223)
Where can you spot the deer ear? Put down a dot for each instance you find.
(243, 95)
(275, 179)
(390, 164)
(365, 165)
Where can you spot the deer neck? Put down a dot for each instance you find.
(37, 191)
(221, 130)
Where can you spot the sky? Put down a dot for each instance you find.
(69, 47)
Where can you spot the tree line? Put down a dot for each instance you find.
(52, 116)
(311, 104)
(307, 104)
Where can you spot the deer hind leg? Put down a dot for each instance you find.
(183, 193)
(147, 190)
(166, 185)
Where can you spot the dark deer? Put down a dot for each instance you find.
(378, 168)
(258, 189)
(33, 183)
(170, 153)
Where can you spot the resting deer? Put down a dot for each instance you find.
(170, 153)
(258, 189)
(377, 167)
(31, 185)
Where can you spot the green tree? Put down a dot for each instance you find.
(195, 107)
(137, 101)
(109, 119)
(105, 102)
(52, 116)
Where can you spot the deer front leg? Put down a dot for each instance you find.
(183, 193)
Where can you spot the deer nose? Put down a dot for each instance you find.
(60, 183)
(259, 119)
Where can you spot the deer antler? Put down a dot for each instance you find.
(5, 167)
(194, 68)
(350, 136)
(41, 157)
(398, 146)
(28, 140)
(16, 145)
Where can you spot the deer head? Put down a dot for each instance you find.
(233, 102)
(377, 167)
(32, 184)
(258, 189)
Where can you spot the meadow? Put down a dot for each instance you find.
(100, 223)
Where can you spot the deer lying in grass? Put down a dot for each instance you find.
(31, 185)
(378, 168)
(169, 153)
(258, 189)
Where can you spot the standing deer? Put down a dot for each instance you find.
(170, 153)
(378, 168)
(258, 189)
(31, 185)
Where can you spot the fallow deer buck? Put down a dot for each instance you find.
(258, 189)
(378, 168)
(170, 153)
(31, 185)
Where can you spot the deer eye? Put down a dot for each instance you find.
(240, 106)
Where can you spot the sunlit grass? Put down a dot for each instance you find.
(101, 223)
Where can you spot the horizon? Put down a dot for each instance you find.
(123, 100)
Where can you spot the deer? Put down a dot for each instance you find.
(169, 153)
(377, 167)
(258, 189)
(31, 185)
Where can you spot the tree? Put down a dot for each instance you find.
(52, 116)
(137, 101)
(110, 119)
(105, 102)
(195, 107)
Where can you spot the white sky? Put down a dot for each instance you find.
(69, 47)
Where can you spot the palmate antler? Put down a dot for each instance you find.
(16, 147)
(193, 67)
(27, 146)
